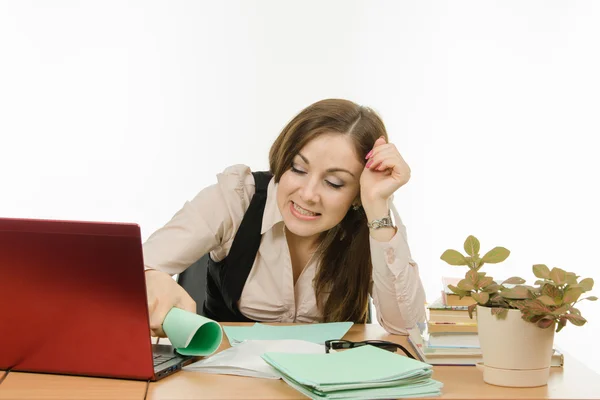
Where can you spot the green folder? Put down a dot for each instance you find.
(316, 333)
(192, 334)
(429, 388)
(363, 372)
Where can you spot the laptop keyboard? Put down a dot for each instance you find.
(159, 359)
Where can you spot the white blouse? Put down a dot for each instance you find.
(209, 222)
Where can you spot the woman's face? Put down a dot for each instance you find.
(317, 192)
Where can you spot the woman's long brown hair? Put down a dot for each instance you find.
(344, 271)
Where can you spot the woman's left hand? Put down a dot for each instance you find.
(385, 172)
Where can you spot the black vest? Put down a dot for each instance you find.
(226, 279)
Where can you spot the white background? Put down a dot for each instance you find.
(121, 111)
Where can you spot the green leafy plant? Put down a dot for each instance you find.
(550, 300)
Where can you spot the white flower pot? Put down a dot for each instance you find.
(515, 352)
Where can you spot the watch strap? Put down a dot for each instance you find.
(385, 222)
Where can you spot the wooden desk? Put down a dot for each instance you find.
(573, 382)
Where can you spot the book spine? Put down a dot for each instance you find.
(447, 308)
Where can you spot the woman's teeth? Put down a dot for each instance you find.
(303, 211)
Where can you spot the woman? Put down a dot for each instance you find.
(309, 244)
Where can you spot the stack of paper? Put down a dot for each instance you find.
(316, 333)
(364, 372)
(245, 358)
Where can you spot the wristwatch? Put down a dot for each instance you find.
(385, 222)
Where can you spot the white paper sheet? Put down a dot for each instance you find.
(245, 358)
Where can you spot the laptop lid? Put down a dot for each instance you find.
(73, 299)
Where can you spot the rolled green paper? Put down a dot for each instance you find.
(192, 334)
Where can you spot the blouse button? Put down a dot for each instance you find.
(390, 255)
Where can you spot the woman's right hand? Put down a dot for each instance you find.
(163, 294)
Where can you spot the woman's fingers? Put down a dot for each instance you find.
(164, 294)
(380, 147)
(376, 159)
(157, 318)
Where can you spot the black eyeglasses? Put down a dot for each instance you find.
(382, 344)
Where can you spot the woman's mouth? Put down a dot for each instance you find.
(302, 213)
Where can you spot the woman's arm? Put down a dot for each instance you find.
(206, 223)
(397, 290)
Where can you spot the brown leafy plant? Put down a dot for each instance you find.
(550, 300)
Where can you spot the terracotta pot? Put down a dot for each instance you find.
(515, 352)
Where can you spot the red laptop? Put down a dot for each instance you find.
(73, 301)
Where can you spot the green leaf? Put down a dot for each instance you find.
(514, 280)
(576, 319)
(587, 284)
(559, 276)
(552, 291)
(465, 285)
(457, 291)
(540, 282)
(481, 298)
(496, 255)
(470, 310)
(453, 257)
(571, 278)
(499, 312)
(495, 297)
(541, 271)
(561, 310)
(472, 246)
(545, 323)
(533, 307)
(516, 293)
(496, 310)
(485, 281)
(572, 294)
(547, 300)
(535, 291)
(535, 318)
(590, 298)
(491, 288)
(561, 324)
(472, 276)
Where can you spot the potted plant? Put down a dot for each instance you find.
(516, 322)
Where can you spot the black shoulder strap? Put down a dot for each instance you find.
(245, 243)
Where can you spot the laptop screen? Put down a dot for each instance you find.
(73, 299)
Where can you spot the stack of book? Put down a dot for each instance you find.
(450, 332)
(449, 337)
(444, 318)
(453, 349)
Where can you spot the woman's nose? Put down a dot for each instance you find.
(310, 192)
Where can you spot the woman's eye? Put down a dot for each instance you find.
(333, 185)
(297, 171)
